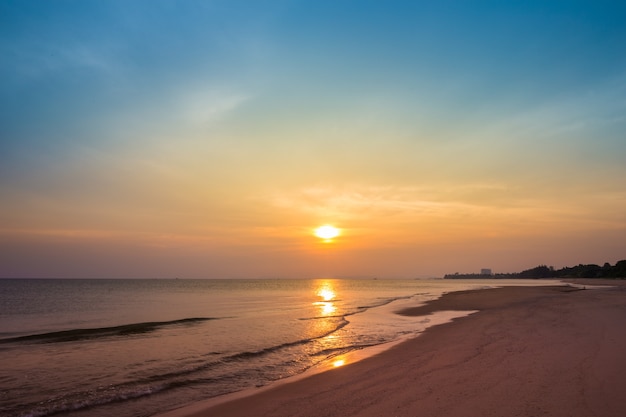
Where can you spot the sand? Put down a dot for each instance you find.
(529, 351)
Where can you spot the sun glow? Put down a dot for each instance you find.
(326, 308)
(326, 292)
(327, 232)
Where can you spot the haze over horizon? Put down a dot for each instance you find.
(208, 139)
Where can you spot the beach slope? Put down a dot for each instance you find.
(529, 351)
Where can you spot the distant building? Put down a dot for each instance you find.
(485, 271)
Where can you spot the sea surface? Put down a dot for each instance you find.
(132, 348)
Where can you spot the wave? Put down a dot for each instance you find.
(359, 309)
(82, 401)
(338, 316)
(271, 349)
(383, 302)
(166, 381)
(336, 351)
(101, 332)
(245, 355)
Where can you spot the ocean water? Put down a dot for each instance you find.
(134, 348)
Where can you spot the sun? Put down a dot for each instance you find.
(327, 232)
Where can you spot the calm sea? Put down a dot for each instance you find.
(139, 347)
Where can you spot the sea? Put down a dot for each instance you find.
(139, 347)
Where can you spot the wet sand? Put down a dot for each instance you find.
(529, 351)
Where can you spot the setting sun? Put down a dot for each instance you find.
(327, 232)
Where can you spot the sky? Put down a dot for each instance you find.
(208, 139)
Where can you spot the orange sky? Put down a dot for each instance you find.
(209, 142)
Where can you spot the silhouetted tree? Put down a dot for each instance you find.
(579, 271)
(541, 271)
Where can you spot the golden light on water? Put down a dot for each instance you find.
(327, 296)
(327, 309)
(327, 293)
(339, 362)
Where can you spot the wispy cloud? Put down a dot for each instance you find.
(211, 105)
(385, 203)
(468, 206)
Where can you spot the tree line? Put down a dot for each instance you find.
(542, 271)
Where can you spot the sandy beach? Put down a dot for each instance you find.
(528, 351)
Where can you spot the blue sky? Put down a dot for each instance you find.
(207, 139)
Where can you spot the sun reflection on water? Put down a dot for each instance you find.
(339, 362)
(329, 321)
(327, 294)
(327, 309)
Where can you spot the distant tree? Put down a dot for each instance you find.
(541, 271)
(619, 270)
(590, 271)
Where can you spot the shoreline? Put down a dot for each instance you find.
(350, 358)
(555, 350)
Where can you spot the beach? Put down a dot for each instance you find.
(527, 351)
(135, 348)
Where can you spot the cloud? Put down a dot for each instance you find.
(386, 204)
(211, 105)
(491, 208)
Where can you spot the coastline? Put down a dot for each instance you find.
(554, 350)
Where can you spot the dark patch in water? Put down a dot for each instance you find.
(102, 332)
